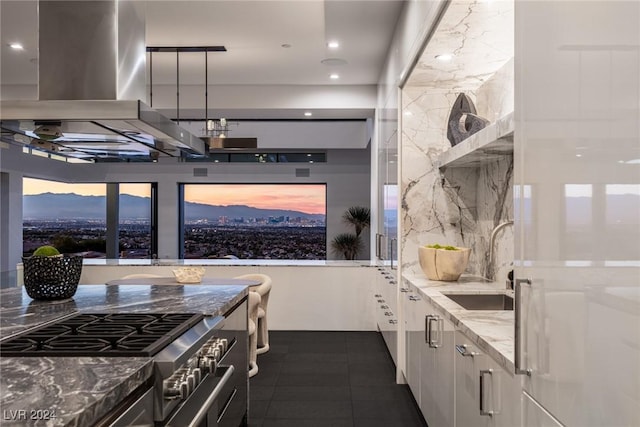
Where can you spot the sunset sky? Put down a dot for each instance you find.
(300, 197)
(38, 186)
(305, 198)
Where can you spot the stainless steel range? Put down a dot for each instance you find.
(200, 363)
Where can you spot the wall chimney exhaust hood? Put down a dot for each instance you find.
(91, 80)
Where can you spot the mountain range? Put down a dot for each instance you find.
(73, 206)
(620, 207)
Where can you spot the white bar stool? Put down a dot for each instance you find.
(253, 304)
(263, 290)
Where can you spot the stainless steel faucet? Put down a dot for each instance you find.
(492, 241)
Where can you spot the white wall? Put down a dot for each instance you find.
(223, 98)
(321, 298)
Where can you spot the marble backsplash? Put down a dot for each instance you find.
(459, 206)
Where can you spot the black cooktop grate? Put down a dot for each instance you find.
(102, 334)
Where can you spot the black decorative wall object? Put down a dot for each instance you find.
(457, 129)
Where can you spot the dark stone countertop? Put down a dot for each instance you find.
(79, 391)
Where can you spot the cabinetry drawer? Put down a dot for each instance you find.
(486, 394)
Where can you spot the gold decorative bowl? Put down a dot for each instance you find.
(444, 265)
(189, 274)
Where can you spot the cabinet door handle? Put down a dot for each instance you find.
(429, 319)
(391, 242)
(517, 308)
(483, 411)
(462, 349)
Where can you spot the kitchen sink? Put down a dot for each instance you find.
(482, 301)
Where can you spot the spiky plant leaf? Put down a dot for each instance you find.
(347, 245)
(359, 217)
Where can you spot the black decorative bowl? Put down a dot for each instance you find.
(52, 278)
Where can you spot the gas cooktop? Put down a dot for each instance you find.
(102, 334)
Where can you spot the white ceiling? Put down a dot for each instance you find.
(253, 33)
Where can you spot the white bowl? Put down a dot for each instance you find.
(189, 274)
(441, 264)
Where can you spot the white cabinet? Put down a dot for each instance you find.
(576, 181)
(534, 415)
(385, 300)
(437, 370)
(486, 394)
(429, 339)
(414, 338)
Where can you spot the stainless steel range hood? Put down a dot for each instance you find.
(91, 80)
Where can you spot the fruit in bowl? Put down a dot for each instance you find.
(444, 263)
(189, 274)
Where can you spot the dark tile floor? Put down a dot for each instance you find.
(328, 379)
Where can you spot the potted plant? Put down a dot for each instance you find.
(445, 263)
(50, 275)
(349, 244)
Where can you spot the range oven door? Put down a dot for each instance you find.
(207, 406)
(140, 413)
(204, 407)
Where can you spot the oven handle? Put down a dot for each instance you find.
(212, 397)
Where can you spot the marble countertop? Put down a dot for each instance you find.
(79, 391)
(235, 262)
(491, 330)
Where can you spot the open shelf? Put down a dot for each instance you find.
(491, 143)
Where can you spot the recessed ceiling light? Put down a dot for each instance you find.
(333, 44)
(16, 46)
(578, 155)
(308, 113)
(408, 113)
(334, 76)
(444, 57)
